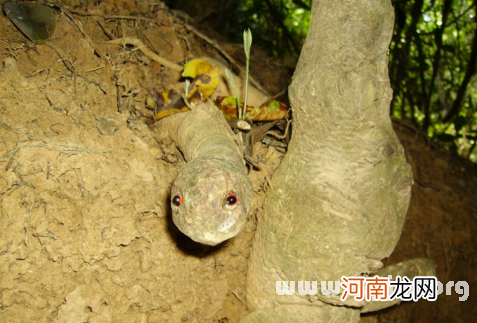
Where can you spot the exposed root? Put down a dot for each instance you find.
(149, 53)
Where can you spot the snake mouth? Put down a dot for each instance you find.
(211, 237)
(211, 229)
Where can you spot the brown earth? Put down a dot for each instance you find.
(85, 229)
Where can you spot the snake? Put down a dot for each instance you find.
(212, 194)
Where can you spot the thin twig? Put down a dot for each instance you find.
(87, 14)
(274, 134)
(27, 228)
(106, 32)
(70, 68)
(238, 297)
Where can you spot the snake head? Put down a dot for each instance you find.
(211, 199)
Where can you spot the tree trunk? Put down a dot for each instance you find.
(339, 198)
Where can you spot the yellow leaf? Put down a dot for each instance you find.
(169, 112)
(196, 67)
(228, 105)
(204, 84)
(151, 102)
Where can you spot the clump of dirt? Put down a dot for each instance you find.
(85, 228)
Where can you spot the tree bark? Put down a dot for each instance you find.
(340, 196)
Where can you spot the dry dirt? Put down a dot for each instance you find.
(85, 228)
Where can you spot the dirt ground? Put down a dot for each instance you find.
(85, 228)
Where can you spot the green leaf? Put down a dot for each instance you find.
(247, 42)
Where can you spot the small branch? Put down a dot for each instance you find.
(469, 73)
(149, 53)
(130, 18)
(275, 14)
(435, 63)
(87, 14)
(285, 134)
(238, 297)
(105, 31)
(422, 62)
(401, 52)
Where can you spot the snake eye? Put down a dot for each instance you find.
(231, 199)
(177, 200)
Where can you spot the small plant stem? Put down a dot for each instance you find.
(247, 43)
(246, 91)
(232, 82)
(184, 96)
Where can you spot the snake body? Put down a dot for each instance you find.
(212, 195)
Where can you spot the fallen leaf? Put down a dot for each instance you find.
(35, 21)
(269, 111)
(169, 112)
(196, 67)
(204, 85)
